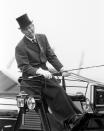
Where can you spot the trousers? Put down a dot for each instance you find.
(60, 103)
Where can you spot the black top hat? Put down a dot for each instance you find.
(23, 21)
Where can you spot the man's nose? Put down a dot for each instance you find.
(30, 30)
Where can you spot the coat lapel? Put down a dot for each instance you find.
(39, 43)
(31, 45)
(42, 54)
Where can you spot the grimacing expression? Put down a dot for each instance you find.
(29, 31)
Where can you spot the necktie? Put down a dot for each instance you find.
(34, 41)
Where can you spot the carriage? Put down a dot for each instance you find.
(36, 115)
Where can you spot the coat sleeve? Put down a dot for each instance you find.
(51, 57)
(23, 62)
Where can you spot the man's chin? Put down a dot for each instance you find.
(31, 37)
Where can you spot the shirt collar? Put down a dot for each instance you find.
(30, 38)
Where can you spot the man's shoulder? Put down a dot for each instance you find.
(20, 43)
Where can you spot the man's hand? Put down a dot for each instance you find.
(64, 72)
(45, 73)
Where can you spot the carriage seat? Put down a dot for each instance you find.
(76, 97)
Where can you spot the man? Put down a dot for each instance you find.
(32, 53)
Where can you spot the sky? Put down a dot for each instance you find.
(74, 28)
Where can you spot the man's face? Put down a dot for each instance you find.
(29, 31)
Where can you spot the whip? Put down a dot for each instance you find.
(83, 68)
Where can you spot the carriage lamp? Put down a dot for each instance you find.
(31, 103)
(86, 105)
(21, 99)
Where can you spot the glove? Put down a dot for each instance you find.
(45, 73)
(64, 72)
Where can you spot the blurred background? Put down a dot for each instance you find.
(74, 28)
